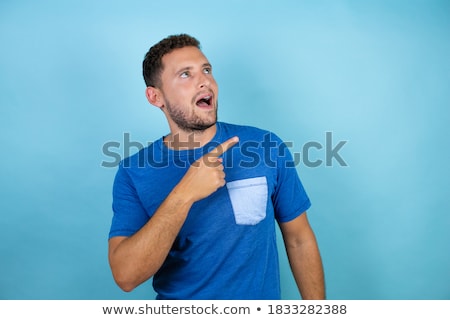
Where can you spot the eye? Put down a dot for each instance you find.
(184, 74)
(207, 70)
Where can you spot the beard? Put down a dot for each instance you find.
(190, 123)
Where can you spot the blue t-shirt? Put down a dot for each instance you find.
(226, 248)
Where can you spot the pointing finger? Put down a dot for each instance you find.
(221, 148)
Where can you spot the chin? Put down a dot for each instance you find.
(203, 126)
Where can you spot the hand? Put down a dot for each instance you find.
(205, 175)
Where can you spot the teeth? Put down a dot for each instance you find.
(206, 99)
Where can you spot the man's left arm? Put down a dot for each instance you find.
(304, 257)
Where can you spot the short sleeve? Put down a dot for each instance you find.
(128, 213)
(290, 198)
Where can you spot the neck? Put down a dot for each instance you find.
(183, 140)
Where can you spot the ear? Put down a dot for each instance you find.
(154, 96)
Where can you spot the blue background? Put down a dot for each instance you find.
(374, 73)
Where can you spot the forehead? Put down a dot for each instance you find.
(183, 57)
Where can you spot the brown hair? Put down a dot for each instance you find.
(152, 65)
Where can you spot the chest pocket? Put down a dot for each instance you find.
(248, 199)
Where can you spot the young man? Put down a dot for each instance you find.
(197, 209)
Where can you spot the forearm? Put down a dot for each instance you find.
(135, 259)
(306, 265)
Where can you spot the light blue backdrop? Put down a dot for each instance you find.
(374, 73)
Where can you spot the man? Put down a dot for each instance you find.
(196, 209)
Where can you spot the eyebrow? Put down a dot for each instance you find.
(205, 65)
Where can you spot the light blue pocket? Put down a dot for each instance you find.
(248, 199)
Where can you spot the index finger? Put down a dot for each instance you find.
(224, 146)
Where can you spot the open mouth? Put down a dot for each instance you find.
(205, 101)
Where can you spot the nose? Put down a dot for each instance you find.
(204, 81)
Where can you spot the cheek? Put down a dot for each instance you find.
(214, 85)
(179, 94)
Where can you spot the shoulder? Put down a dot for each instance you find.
(142, 158)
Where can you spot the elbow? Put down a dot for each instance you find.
(128, 281)
(127, 287)
(124, 282)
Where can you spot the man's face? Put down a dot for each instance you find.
(189, 90)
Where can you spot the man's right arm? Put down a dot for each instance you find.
(137, 258)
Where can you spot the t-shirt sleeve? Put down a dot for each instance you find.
(128, 213)
(290, 198)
